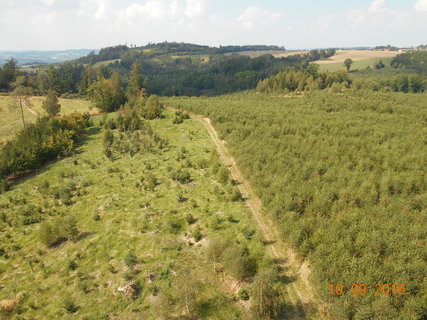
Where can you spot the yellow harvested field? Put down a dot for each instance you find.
(358, 55)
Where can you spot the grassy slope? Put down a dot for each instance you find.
(130, 219)
(10, 119)
(343, 174)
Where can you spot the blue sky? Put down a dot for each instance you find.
(75, 24)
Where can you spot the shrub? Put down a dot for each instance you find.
(223, 175)
(180, 117)
(244, 294)
(4, 186)
(238, 263)
(190, 219)
(202, 163)
(151, 108)
(234, 194)
(131, 259)
(265, 297)
(248, 233)
(216, 248)
(182, 176)
(197, 234)
(174, 225)
(69, 305)
(72, 265)
(60, 229)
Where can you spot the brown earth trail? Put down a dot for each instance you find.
(303, 304)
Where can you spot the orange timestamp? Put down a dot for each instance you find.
(362, 289)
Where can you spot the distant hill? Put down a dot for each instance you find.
(175, 69)
(43, 57)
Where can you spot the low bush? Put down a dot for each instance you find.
(59, 230)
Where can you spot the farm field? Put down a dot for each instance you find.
(357, 55)
(274, 53)
(339, 174)
(11, 121)
(143, 233)
(356, 65)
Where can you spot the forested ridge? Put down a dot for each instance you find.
(168, 68)
(344, 178)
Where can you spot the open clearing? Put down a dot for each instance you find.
(275, 53)
(356, 65)
(118, 213)
(357, 55)
(10, 118)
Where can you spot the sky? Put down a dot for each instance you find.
(94, 24)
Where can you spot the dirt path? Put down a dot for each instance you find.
(32, 111)
(300, 292)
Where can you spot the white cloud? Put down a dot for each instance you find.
(94, 8)
(48, 3)
(7, 3)
(421, 6)
(356, 16)
(164, 10)
(100, 12)
(254, 16)
(153, 10)
(195, 8)
(377, 16)
(377, 5)
(45, 17)
(101, 23)
(325, 22)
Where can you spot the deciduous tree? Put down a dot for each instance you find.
(21, 96)
(107, 94)
(347, 63)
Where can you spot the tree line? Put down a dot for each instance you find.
(183, 74)
(413, 61)
(311, 79)
(46, 139)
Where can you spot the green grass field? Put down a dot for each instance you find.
(11, 121)
(104, 63)
(118, 213)
(357, 65)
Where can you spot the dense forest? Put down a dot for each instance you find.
(343, 176)
(312, 79)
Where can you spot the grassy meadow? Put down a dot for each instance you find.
(10, 117)
(356, 65)
(143, 226)
(343, 175)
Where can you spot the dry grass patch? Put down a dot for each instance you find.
(358, 55)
